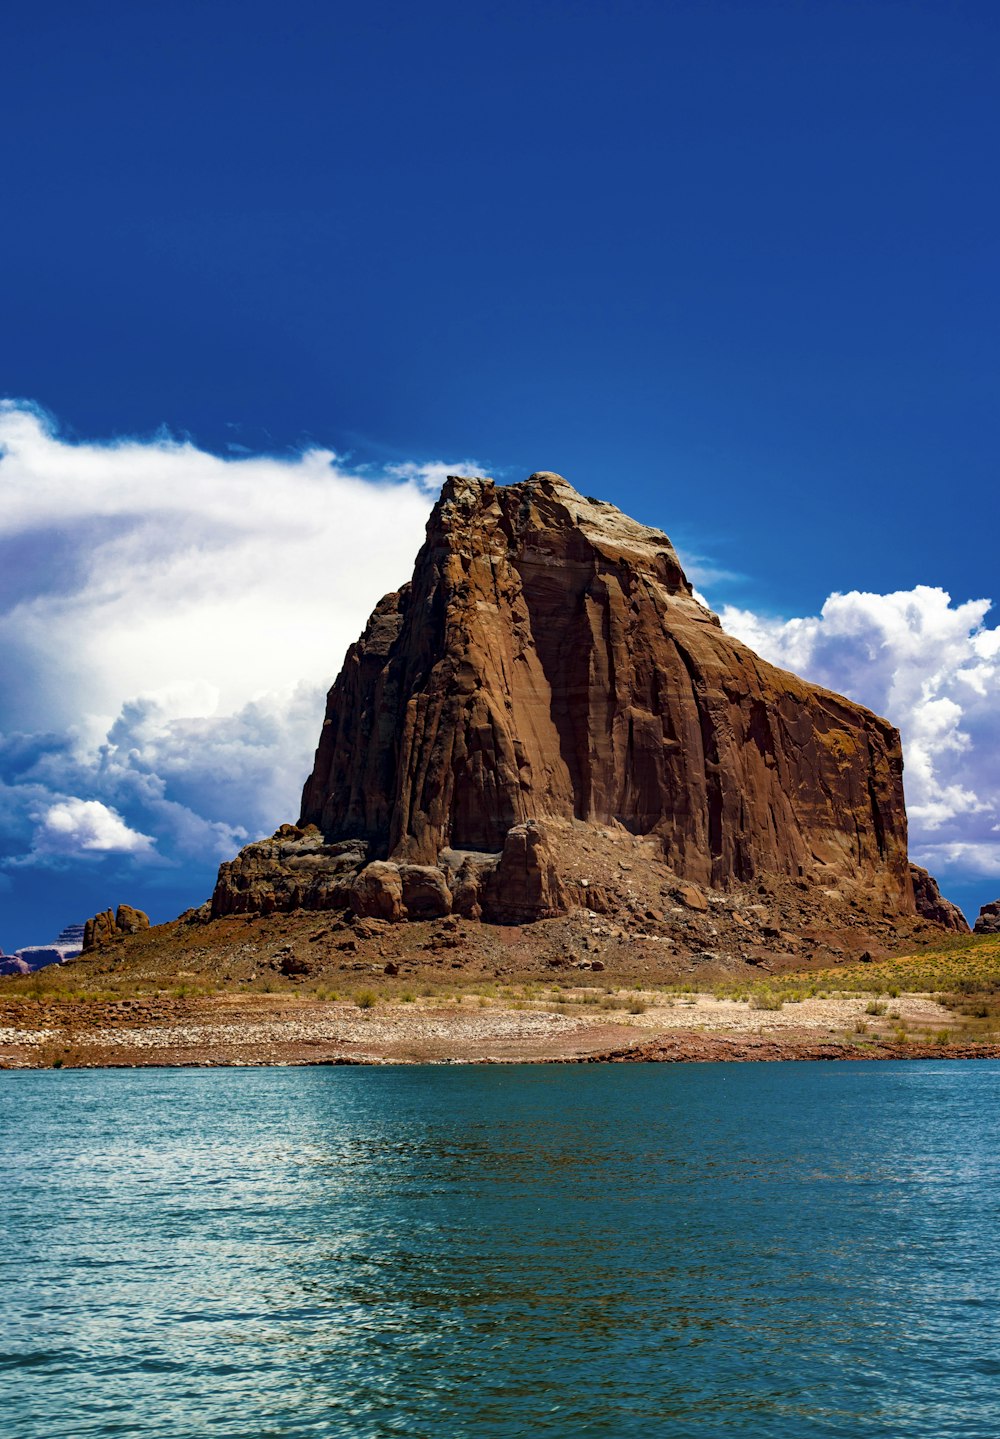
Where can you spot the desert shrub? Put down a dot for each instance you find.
(765, 999)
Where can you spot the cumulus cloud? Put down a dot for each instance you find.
(930, 666)
(143, 565)
(75, 827)
(169, 623)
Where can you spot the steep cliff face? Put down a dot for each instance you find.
(549, 661)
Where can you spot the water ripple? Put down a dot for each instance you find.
(761, 1250)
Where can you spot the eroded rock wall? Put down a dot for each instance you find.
(549, 659)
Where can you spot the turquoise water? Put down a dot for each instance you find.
(766, 1250)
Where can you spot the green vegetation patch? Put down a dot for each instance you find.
(966, 965)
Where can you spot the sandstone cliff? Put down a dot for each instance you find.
(550, 660)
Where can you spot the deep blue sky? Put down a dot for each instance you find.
(729, 265)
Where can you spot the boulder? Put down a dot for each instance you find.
(466, 883)
(294, 968)
(377, 892)
(99, 929)
(691, 897)
(129, 920)
(425, 891)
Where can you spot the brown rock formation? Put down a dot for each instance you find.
(377, 892)
(525, 885)
(109, 923)
(99, 929)
(931, 903)
(294, 869)
(129, 920)
(425, 891)
(549, 661)
(989, 919)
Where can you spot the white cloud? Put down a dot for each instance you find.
(74, 827)
(145, 565)
(172, 620)
(931, 667)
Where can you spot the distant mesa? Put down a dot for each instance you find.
(12, 964)
(66, 946)
(547, 686)
(37, 956)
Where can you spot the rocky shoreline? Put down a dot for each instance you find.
(226, 1030)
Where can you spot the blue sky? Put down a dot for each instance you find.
(729, 265)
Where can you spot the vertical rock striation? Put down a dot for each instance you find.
(549, 661)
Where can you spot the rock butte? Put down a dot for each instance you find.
(548, 681)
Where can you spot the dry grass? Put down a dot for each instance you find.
(966, 963)
(963, 973)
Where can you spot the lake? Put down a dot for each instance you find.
(615, 1250)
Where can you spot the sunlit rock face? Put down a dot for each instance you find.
(548, 662)
(108, 924)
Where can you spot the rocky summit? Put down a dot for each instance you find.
(546, 719)
(111, 924)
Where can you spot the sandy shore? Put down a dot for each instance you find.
(242, 1029)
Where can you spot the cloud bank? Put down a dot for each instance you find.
(169, 623)
(933, 668)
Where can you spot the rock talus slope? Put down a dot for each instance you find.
(549, 660)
